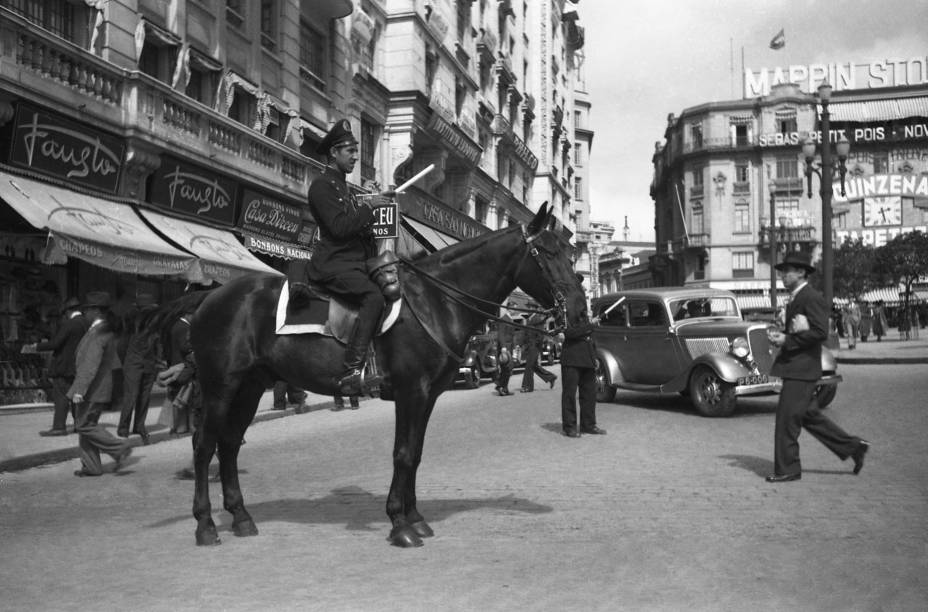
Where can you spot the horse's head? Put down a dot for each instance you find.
(546, 272)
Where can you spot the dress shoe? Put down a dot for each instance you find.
(122, 433)
(122, 457)
(783, 477)
(53, 432)
(142, 433)
(862, 447)
(594, 430)
(279, 407)
(82, 473)
(552, 381)
(571, 433)
(525, 390)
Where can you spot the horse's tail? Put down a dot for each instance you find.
(160, 318)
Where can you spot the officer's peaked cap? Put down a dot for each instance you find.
(339, 135)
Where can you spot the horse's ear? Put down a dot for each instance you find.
(541, 219)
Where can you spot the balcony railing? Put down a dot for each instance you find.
(698, 241)
(717, 144)
(789, 184)
(741, 187)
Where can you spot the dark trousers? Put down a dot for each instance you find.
(356, 287)
(137, 384)
(574, 378)
(532, 367)
(94, 438)
(63, 406)
(505, 372)
(796, 409)
(284, 392)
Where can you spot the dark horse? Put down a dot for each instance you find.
(447, 295)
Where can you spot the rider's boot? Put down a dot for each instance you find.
(352, 380)
(300, 292)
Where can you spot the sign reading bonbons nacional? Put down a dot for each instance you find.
(48, 143)
(193, 191)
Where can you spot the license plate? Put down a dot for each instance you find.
(758, 379)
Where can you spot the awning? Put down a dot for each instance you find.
(432, 240)
(105, 233)
(758, 302)
(879, 110)
(221, 256)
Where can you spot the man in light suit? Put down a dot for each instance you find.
(799, 364)
(92, 389)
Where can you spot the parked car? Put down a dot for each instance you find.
(689, 341)
(479, 360)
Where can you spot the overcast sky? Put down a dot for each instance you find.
(646, 59)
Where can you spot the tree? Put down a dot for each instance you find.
(853, 270)
(904, 259)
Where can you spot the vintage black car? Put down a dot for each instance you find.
(479, 360)
(688, 341)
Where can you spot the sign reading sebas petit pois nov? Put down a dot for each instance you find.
(194, 191)
(48, 143)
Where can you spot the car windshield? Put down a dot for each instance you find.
(701, 307)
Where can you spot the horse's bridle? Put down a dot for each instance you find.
(560, 301)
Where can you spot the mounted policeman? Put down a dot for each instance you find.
(344, 251)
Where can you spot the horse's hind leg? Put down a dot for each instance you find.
(204, 445)
(242, 412)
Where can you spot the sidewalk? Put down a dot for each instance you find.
(891, 350)
(21, 447)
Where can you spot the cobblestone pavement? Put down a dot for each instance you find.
(667, 512)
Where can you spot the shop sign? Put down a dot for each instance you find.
(454, 138)
(876, 237)
(439, 216)
(895, 72)
(193, 191)
(50, 144)
(385, 221)
(276, 247)
(875, 133)
(269, 216)
(882, 185)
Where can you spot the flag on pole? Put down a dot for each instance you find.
(778, 41)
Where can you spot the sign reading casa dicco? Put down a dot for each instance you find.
(53, 145)
(193, 191)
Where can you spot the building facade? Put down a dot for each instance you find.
(729, 177)
(182, 135)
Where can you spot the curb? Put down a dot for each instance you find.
(25, 462)
(880, 360)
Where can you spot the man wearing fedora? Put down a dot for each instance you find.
(344, 245)
(61, 369)
(799, 364)
(92, 389)
(139, 370)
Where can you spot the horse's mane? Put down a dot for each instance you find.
(450, 254)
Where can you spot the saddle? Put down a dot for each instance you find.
(325, 314)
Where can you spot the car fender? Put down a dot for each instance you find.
(726, 366)
(829, 363)
(611, 366)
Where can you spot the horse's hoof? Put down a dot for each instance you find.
(404, 537)
(208, 537)
(245, 528)
(422, 529)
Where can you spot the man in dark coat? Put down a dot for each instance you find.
(344, 245)
(92, 389)
(61, 370)
(531, 351)
(578, 370)
(139, 370)
(505, 334)
(799, 364)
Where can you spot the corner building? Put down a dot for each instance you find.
(729, 175)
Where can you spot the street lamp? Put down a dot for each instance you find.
(773, 245)
(825, 173)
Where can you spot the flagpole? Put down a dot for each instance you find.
(731, 66)
(743, 90)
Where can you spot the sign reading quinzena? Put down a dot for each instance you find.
(53, 145)
(193, 191)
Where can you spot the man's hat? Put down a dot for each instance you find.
(145, 299)
(339, 135)
(97, 299)
(797, 259)
(72, 303)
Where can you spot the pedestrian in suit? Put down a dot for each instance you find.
(880, 324)
(578, 369)
(851, 323)
(531, 351)
(505, 336)
(61, 370)
(799, 364)
(92, 389)
(139, 370)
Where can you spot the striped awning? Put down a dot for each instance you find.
(879, 110)
(757, 302)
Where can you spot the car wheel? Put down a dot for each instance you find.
(712, 396)
(825, 394)
(472, 378)
(605, 392)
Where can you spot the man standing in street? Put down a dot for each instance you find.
(531, 351)
(505, 336)
(139, 372)
(92, 390)
(799, 364)
(61, 371)
(578, 369)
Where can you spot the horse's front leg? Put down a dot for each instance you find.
(409, 527)
(204, 445)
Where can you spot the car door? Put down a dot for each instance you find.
(650, 343)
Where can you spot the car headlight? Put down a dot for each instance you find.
(740, 348)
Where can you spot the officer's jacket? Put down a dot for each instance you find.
(579, 349)
(345, 238)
